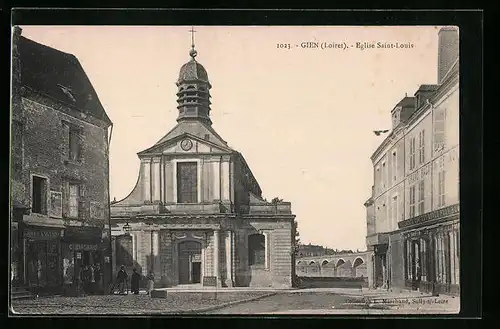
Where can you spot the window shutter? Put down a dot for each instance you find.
(82, 211)
(81, 144)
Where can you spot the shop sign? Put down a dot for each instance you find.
(41, 234)
(83, 232)
(81, 246)
(78, 255)
(438, 214)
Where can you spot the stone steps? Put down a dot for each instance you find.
(18, 293)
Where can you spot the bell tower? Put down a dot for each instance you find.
(193, 95)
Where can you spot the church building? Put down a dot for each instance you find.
(196, 214)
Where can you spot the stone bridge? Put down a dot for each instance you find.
(340, 265)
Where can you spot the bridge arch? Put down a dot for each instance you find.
(359, 267)
(340, 262)
(358, 261)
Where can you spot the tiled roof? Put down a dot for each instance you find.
(406, 102)
(60, 76)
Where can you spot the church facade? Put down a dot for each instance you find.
(196, 214)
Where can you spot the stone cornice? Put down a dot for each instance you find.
(268, 216)
(393, 137)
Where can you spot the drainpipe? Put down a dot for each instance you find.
(109, 211)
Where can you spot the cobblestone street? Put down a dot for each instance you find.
(128, 304)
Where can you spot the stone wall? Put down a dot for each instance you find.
(45, 142)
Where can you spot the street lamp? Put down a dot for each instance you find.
(126, 228)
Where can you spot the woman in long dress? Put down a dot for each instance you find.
(134, 284)
(151, 282)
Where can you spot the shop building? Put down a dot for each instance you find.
(59, 170)
(413, 213)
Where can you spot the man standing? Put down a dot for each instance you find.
(122, 278)
(97, 278)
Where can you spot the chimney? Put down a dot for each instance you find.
(448, 48)
(17, 112)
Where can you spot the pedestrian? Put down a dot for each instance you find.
(134, 282)
(97, 277)
(122, 278)
(151, 282)
(85, 278)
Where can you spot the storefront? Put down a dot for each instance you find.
(42, 261)
(432, 252)
(380, 275)
(82, 249)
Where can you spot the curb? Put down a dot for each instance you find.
(217, 307)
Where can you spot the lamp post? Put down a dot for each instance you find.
(126, 228)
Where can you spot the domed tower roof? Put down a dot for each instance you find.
(193, 70)
(194, 91)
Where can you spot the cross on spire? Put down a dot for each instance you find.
(192, 52)
(192, 36)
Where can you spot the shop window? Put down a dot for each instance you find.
(43, 263)
(256, 249)
(39, 195)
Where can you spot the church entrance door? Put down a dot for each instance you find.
(189, 262)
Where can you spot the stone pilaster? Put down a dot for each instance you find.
(155, 180)
(166, 247)
(229, 259)
(216, 255)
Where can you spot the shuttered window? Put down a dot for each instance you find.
(412, 201)
(74, 200)
(421, 147)
(412, 153)
(439, 129)
(421, 197)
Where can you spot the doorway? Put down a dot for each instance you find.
(189, 262)
(196, 272)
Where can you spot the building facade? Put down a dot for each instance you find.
(196, 214)
(413, 214)
(59, 170)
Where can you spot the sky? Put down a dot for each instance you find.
(303, 118)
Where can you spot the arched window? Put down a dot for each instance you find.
(256, 249)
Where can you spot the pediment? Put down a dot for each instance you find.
(185, 144)
(204, 139)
